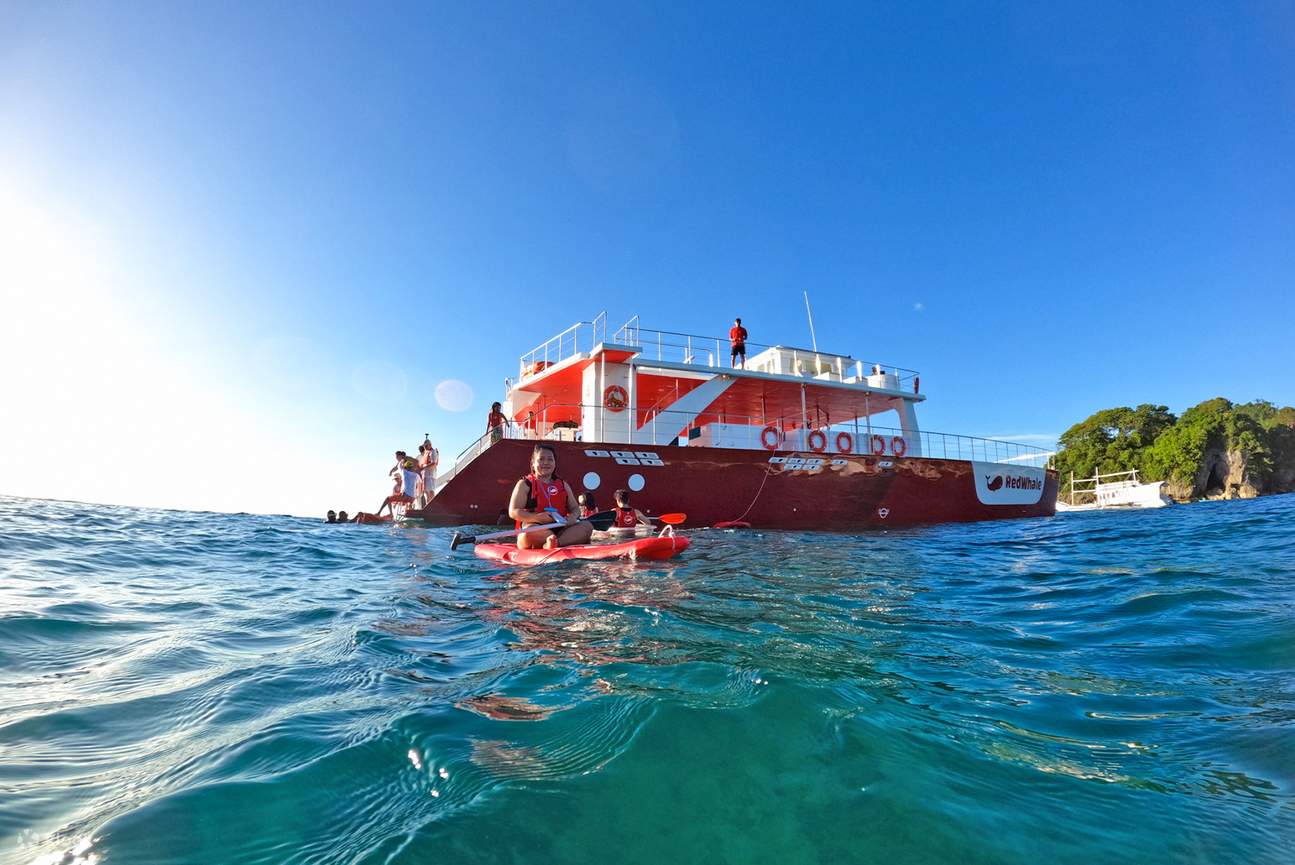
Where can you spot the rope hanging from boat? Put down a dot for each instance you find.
(768, 473)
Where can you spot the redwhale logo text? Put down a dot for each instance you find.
(1012, 482)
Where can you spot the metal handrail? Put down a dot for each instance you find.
(691, 349)
(554, 350)
(655, 409)
(676, 347)
(662, 430)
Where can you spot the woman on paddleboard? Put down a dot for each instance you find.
(543, 497)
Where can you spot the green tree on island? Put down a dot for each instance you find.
(1215, 449)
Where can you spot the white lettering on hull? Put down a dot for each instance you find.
(629, 458)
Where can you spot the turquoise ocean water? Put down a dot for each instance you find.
(206, 688)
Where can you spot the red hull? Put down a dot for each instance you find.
(773, 490)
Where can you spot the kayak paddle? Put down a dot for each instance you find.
(601, 520)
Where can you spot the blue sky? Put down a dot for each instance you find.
(245, 242)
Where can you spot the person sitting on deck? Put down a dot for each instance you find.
(542, 497)
(626, 516)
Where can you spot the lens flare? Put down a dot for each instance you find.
(454, 395)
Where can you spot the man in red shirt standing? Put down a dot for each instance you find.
(737, 339)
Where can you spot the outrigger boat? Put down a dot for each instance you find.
(1114, 490)
(799, 439)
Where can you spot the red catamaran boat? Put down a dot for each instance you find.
(799, 439)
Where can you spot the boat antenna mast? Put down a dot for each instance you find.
(809, 312)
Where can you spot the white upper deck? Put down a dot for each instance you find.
(709, 355)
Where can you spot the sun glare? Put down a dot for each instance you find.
(89, 382)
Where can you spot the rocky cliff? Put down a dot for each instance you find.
(1222, 474)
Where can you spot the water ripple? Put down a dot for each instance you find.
(182, 687)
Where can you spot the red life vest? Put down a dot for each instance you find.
(543, 496)
(625, 518)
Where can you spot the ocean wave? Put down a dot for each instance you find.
(233, 688)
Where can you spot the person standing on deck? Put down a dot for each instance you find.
(495, 422)
(428, 459)
(737, 341)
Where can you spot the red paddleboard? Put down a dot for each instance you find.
(639, 549)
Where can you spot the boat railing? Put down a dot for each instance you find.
(508, 430)
(858, 436)
(713, 352)
(722, 430)
(579, 338)
(1102, 483)
(467, 455)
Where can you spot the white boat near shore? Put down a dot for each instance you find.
(1114, 490)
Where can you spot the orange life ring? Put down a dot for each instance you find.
(898, 446)
(846, 448)
(615, 398)
(878, 445)
(769, 444)
(822, 441)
